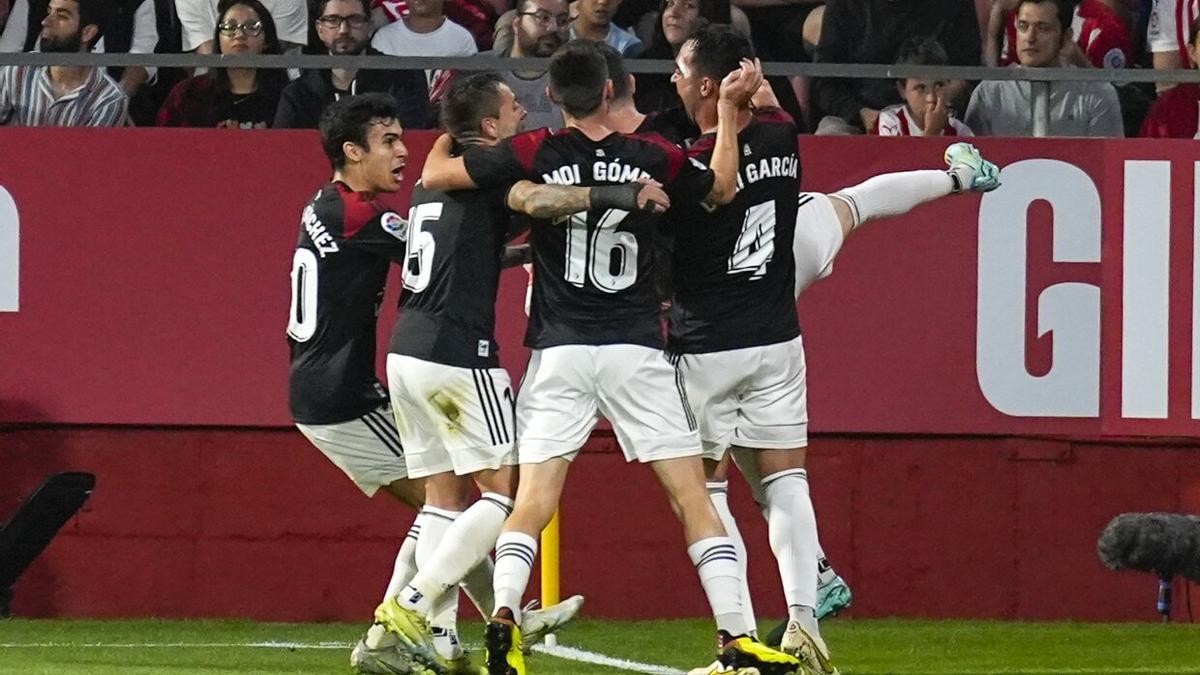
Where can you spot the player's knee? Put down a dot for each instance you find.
(448, 491)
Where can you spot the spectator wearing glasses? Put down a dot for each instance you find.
(539, 28)
(594, 22)
(344, 27)
(64, 96)
(198, 16)
(231, 98)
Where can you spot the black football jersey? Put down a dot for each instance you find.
(339, 271)
(593, 280)
(734, 271)
(451, 276)
(672, 124)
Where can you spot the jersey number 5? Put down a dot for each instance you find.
(418, 258)
(608, 257)
(302, 320)
(756, 244)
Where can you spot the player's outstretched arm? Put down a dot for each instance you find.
(551, 201)
(737, 89)
(443, 172)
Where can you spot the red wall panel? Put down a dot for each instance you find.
(255, 523)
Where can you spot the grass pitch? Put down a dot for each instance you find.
(893, 647)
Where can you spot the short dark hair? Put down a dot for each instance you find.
(1064, 8)
(617, 72)
(317, 8)
(719, 51)
(95, 13)
(578, 73)
(921, 51)
(470, 99)
(349, 119)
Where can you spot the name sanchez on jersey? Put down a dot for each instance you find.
(317, 233)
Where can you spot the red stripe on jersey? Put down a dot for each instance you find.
(773, 114)
(905, 130)
(675, 156)
(525, 147)
(359, 208)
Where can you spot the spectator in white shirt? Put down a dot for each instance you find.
(426, 31)
(926, 108)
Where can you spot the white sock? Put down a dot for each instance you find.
(893, 194)
(405, 567)
(446, 642)
(716, 562)
(515, 553)
(478, 587)
(825, 573)
(792, 528)
(421, 594)
(464, 546)
(718, 493)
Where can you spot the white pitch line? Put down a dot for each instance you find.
(270, 644)
(581, 655)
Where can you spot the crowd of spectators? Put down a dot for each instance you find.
(1016, 33)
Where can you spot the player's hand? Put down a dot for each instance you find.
(652, 197)
(764, 97)
(937, 116)
(738, 87)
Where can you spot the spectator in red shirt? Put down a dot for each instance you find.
(1177, 111)
(1101, 38)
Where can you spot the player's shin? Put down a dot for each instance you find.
(792, 529)
(718, 493)
(716, 562)
(478, 587)
(515, 553)
(405, 567)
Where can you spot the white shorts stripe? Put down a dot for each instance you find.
(384, 428)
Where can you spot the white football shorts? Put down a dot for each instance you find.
(638, 389)
(818, 239)
(755, 397)
(366, 449)
(451, 418)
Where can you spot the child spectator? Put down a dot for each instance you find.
(926, 108)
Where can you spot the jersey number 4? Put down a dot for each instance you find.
(756, 244)
(418, 257)
(607, 257)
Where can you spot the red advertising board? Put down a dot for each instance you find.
(151, 285)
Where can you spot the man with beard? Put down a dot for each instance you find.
(64, 96)
(344, 26)
(539, 28)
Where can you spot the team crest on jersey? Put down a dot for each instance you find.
(394, 225)
(599, 152)
(746, 149)
(1114, 58)
(484, 349)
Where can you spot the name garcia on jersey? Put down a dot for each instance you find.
(768, 167)
(603, 171)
